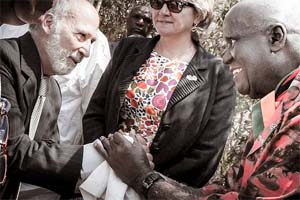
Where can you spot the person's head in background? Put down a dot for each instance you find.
(139, 22)
(170, 17)
(18, 12)
(263, 40)
(65, 34)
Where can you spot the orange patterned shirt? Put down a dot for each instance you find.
(270, 166)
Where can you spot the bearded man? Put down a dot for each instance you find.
(61, 38)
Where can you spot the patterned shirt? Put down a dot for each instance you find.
(270, 165)
(149, 93)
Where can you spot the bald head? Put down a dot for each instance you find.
(256, 15)
(70, 8)
(263, 38)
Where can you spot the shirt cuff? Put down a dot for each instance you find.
(91, 160)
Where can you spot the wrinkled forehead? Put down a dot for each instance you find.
(242, 21)
(251, 16)
(84, 20)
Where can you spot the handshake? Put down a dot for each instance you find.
(127, 158)
(128, 155)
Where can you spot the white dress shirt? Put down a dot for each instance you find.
(11, 31)
(77, 89)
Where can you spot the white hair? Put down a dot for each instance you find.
(60, 10)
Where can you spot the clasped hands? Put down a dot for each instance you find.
(129, 160)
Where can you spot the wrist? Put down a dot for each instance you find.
(144, 183)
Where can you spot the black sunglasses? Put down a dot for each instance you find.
(4, 128)
(173, 6)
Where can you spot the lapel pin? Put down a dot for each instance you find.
(191, 77)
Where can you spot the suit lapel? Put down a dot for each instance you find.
(133, 62)
(31, 69)
(191, 78)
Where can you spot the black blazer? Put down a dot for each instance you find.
(193, 130)
(43, 161)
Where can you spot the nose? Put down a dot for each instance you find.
(140, 22)
(165, 10)
(86, 47)
(227, 57)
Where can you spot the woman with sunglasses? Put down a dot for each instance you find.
(171, 91)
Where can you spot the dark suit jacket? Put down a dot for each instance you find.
(193, 130)
(43, 161)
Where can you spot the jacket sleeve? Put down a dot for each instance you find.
(94, 117)
(201, 160)
(44, 163)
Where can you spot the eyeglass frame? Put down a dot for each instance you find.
(180, 5)
(4, 130)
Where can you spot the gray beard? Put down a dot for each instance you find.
(58, 56)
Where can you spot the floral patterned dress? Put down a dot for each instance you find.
(148, 94)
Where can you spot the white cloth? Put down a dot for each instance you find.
(77, 89)
(103, 183)
(11, 31)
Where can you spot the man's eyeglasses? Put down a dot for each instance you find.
(4, 129)
(173, 6)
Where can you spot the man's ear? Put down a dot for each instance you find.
(47, 22)
(277, 37)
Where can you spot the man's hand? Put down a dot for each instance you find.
(142, 141)
(128, 160)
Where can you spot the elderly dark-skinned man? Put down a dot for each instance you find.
(263, 38)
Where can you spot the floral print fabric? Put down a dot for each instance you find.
(148, 94)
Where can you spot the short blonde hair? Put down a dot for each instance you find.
(204, 8)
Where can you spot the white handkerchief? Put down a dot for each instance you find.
(116, 189)
(91, 160)
(103, 183)
(95, 184)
